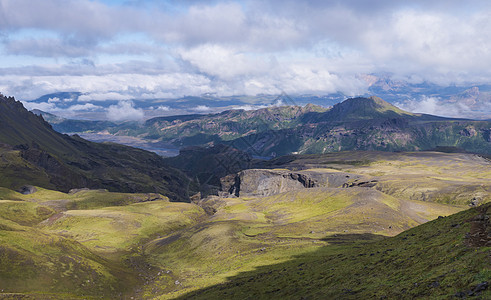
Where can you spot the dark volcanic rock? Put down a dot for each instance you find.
(370, 183)
(27, 190)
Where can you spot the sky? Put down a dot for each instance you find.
(147, 49)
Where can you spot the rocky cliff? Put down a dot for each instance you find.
(262, 182)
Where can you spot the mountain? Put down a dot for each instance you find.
(363, 124)
(34, 154)
(64, 125)
(354, 124)
(364, 109)
(383, 134)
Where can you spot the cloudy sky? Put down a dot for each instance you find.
(117, 49)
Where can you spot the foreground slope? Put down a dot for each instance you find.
(446, 258)
(245, 233)
(296, 226)
(33, 153)
(83, 244)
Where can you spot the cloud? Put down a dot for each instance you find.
(162, 49)
(82, 18)
(104, 96)
(124, 111)
(202, 108)
(47, 47)
(436, 106)
(86, 106)
(250, 107)
(107, 87)
(44, 106)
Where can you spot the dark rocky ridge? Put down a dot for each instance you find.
(35, 154)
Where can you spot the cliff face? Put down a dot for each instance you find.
(262, 182)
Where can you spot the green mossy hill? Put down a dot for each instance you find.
(82, 245)
(322, 226)
(449, 178)
(34, 154)
(447, 258)
(40, 264)
(248, 232)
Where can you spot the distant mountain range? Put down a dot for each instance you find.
(355, 124)
(470, 101)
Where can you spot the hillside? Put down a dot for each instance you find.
(84, 244)
(295, 226)
(34, 154)
(355, 124)
(444, 259)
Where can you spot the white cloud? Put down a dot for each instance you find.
(108, 87)
(223, 62)
(103, 96)
(86, 106)
(250, 107)
(53, 100)
(202, 108)
(44, 106)
(155, 49)
(124, 111)
(436, 106)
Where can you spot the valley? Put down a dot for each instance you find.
(89, 220)
(245, 150)
(357, 213)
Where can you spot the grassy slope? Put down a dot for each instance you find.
(432, 260)
(171, 249)
(49, 250)
(427, 176)
(17, 172)
(248, 233)
(35, 262)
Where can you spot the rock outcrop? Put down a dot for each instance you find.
(263, 182)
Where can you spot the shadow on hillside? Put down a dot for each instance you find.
(352, 238)
(287, 279)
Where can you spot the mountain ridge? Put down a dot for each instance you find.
(65, 162)
(354, 124)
